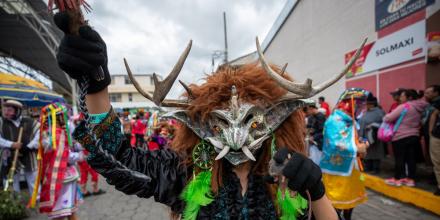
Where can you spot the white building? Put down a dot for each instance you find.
(124, 95)
(315, 37)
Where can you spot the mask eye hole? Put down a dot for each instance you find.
(223, 121)
(248, 118)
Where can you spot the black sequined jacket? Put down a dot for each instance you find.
(159, 174)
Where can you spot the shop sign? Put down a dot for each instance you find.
(390, 11)
(404, 45)
(434, 46)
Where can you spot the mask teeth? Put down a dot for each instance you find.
(217, 144)
(248, 153)
(223, 153)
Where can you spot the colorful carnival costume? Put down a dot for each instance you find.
(340, 164)
(243, 117)
(60, 195)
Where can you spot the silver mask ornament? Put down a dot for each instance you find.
(239, 131)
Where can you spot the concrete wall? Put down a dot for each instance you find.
(315, 37)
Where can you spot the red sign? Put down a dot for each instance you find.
(433, 36)
(433, 46)
(357, 66)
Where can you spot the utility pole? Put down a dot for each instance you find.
(226, 38)
(216, 54)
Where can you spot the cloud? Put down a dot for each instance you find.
(152, 34)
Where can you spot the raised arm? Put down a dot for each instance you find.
(130, 170)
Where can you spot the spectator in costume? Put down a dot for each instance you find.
(138, 129)
(57, 174)
(340, 161)
(161, 137)
(85, 169)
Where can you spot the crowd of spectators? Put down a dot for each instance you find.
(417, 130)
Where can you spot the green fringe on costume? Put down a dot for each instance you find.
(197, 193)
(290, 207)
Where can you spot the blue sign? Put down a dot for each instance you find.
(390, 11)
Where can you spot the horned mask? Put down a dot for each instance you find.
(238, 131)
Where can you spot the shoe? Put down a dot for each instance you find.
(408, 182)
(99, 192)
(87, 194)
(437, 192)
(393, 182)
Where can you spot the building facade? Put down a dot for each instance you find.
(316, 37)
(123, 94)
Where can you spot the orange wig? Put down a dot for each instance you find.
(254, 86)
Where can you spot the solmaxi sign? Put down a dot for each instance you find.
(404, 45)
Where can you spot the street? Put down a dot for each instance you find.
(115, 205)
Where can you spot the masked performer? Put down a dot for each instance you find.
(233, 124)
(60, 195)
(340, 162)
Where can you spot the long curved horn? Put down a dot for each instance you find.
(317, 89)
(161, 88)
(305, 90)
(297, 88)
(135, 82)
(187, 89)
(283, 70)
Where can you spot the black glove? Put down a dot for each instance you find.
(82, 55)
(302, 174)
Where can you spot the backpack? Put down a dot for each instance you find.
(388, 129)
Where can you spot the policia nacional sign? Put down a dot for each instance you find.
(390, 11)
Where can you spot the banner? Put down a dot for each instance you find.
(390, 11)
(358, 65)
(404, 45)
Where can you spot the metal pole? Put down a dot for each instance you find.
(226, 37)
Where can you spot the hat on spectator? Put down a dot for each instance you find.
(13, 103)
(371, 99)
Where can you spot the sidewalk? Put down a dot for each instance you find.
(421, 196)
(115, 205)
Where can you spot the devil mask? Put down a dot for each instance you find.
(239, 127)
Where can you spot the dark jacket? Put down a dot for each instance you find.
(315, 127)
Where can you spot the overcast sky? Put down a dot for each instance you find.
(152, 34)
